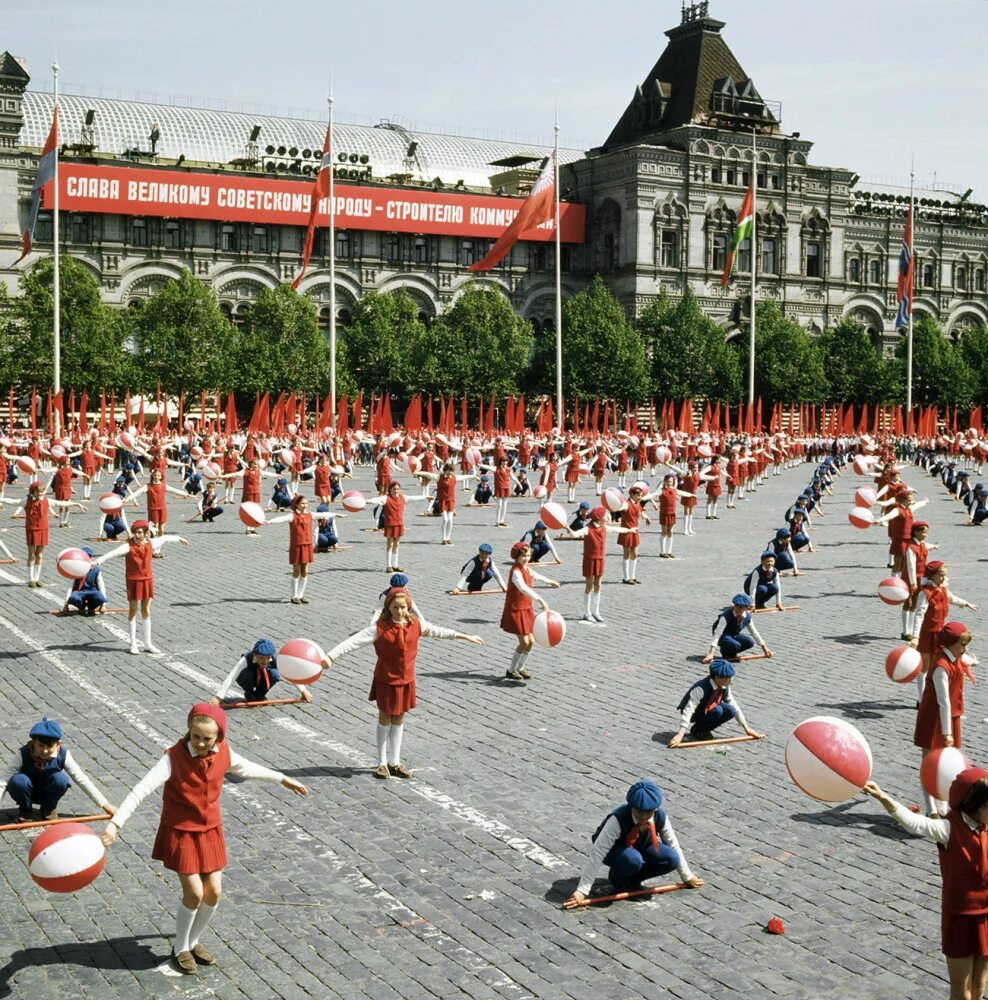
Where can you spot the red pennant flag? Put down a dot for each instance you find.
(480, 418)
(83, 414)
(231, 424)
(463, 416)
(320, 190)
(113, 411)
(181, 411)
(358, 412)
(10, 409)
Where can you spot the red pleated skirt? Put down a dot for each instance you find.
(630, 540)
(394, 530)
(37, 536)
(964, 934)
(592, 566)
(140, 590)
(668, 520)
(190, 853)
(300, 554)
(394, 699)
(157, 515)
(519, 622)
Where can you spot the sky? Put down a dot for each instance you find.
(873, 83)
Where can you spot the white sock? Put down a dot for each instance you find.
(522, 657)
(86, 490)
(515, 657)
(633, 568)
(586, 610)
(147, 632)
(714, 509)
(203, 915)
(394, 556)
(626, 569)
(183, 924)
(294, 587)
(302, 581)
(382, 742)
(669, 544)
(596, 602)
(394, 743)
(905, 621)
(133, 631)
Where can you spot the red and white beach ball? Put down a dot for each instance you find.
(252, 514)
(613, 499)
(663, 454)
(584, 469)
(27, 465)
(58, 452)
(125, 440)
(300, 661)
(110, 503)
(704, 451)
(66, 857)
(903, 664)
(353, 501)
(414, 463)
(553, 514)
(828, 758)
(549, 629)
(938, 770)
(893, 590)
(473, 456)
(287, 457)
(540, 492)
(861, 517)
(73, 564)
(865, 496)
(862, 464)
(643, 486)
(211, 471)
(196, 453)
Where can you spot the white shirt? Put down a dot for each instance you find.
(608, 837)
(72, 768)
(937, 830)
(162, 771)
(696, 696)
(367, 636)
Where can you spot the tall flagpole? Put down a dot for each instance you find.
(56, 295)
(754, 265)
(332, 266)
(909, 272)
(561, 414)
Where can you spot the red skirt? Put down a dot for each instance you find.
(394, 530)
(688, 503)
(927, 641)
(37, 536)
(446, 506)
(518, 622)
(629, 540)
(714, 489)
(394, 699)
(667, 520)
(964, 934)
(927, 733)
(300, 553)
(897, 546)
(140, 590)
(250, 496)
(593, 567)
(190, 853)
(157, 515)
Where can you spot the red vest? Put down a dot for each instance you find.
(63, 483)
(396, 647)
(252, 482)
(192, 794)
(964, 867)
(156, 496)
(138, 561)
(593, 544)
(921, 552)
(300, 529)
(667, 502)
(514, 599)
(936, 614)
(394, 511)
(502, 481)
(446, 489)
(36, 514)
(322, 480)
(631, 514)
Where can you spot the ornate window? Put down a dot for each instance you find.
(854, 270)
(228, 238)
(343, 249)
(173, 235)
(960, 276)
(929, 276)
(421, 250)
(875, 272)
(392, 248)
(719, 257)
(770, 256)
(979, 279)
(259, 239)
(81, 228)
(139, 232)
(468, 253)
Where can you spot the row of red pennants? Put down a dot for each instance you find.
(451, 416)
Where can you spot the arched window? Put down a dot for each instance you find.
(979, 279)
(719, 256)
(928, 275)
(960, 276)
(421, 250)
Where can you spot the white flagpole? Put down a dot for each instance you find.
(56, 295)
(909, 339)
(754, 265)
(332, 267)
(561, 415)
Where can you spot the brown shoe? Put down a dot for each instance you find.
(52, 815)
(382, 772)
(296, 600)
(525, 675)
(186, 963)
(303, 600)
(202, 956)
(399, 770)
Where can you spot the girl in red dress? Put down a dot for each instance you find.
(518, 616)
(60, 485)
(630, 517)
(446, 498)
(395, 636)
(961, 840)
(301, 550)
(394, 523)
(594, 537)
(666, 502)
(190, 835)
(35, 512)
(139, 576)
(713, 490)
(157, 505)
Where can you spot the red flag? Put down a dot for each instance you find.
(386, 414)
(538, 208)
(975, 418)
(47, 172)
(358, 412)
(715, 418)
(59, 409)
(10, 409)
(83, 415)
(303, 420)
(428, 415)
(181, 411)
(520, 416)
(490, 418)
(113, 411)
(231, 425)
(463, 417)
(707, 413)
(320, 190)
(342, 409)
(550, 420)
(758, 417)
(480, 417)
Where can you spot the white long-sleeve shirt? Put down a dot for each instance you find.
(608, 837)
(518, 579)
(696, 696)
(937, 830)
(923, 603)
(461, 584)
(230, 677)
(162, 771)
(72, 769)
(365, 637)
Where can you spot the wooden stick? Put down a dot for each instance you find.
(79, 614)
(473, 593)
(8, 562)
(52, 822)
(592, 900)
(770, 611)
(711, 743)
(255, 704)
(752, 656)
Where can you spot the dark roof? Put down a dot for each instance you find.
(10, 67)
(680, 89)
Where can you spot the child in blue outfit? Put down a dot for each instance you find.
(733, 639)
(637, 842)
(478, 571)
(327, 540)
(708, 704)
(256, 672)
(88, 593)
(281, 499)
(765, 582)
(40, 771)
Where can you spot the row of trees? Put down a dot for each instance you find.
(478, 346)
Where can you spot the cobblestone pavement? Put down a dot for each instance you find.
(450, 885)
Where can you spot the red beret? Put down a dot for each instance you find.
(598, 513)
(934, 566)
(921, 524)
(140, 524)
(518, 547)
(951, 632)
(214, 712)
(963, 783)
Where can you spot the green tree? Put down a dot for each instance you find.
(689, 354)
(478, 346)
(603, 355)
(853, 367)
(10, 343)
(974, 350)
(184, 341)
(380, 344)
(940, 372)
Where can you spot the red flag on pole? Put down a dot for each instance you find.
(320, 190)
(83, 408)
(47, 172)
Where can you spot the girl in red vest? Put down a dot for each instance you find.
(518, 615)
(35, 512)
(446, 498)
(913, 571)
(714, 489)
(666, 502)
(932, 604)
(139, 576)
(503, 480)
(157, 505)
(594, 537)
(962, 842)
(395, 636)
(190, 835)
(630, 517)
(60, 485)
(393, 523)
(301, 550)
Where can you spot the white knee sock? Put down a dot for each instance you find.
(596, 602)
(522, 657)
(302, 581)
(713, 509)
(183, 924)
(633, 568)
(571, 494)
(394, 556)
(394, 743)
(515, 657)
(669, 544)
(294, 587)
(133, 631)
(203, 915)
(147, 632)
(86, 490)
(586, 609)
(626, 569)
(382, 742)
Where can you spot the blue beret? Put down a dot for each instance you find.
(721, 668)
(767, 554)
(782, 532)
(979, 486)
(484, 479)
(323, 508)
(89, 552)
(282, 481)
(742, 600)
(130, 467)
(644, 795)
(46, 729)
(398, 580)
(197, 477)
(264, 647)
(584, 505)
(962, 475)
(485, 547)
(539, 526)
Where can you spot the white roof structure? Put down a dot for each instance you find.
(217, 137)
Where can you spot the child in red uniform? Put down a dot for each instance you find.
(139, 551)
(157, 505)
(594, 537)
(518, 615)
(961, 840)
(666, 502)
(301, 550)
(630, 516)
(932, 604)
(395, 636)
(60, 485)
(394, 523)
(190, 835)
(34, 511)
